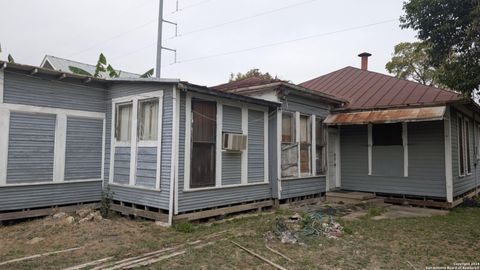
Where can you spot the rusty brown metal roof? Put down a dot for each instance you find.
(365, 89)
(387, 116)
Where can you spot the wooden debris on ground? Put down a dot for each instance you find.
(259, 256)
(40, 255)
(278, 253)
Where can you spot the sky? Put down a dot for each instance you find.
(296, 40)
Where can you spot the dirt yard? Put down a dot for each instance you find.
(365, 242)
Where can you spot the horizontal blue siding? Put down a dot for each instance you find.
(83, 151)
(38, 91)
(426, 172)
(121, 172)
(256, 146)
(302, 187)
(36, 196)
(31, 148)
(146, 167)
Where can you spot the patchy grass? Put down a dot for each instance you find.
(375, 211)
(367, 243)
(185, 227)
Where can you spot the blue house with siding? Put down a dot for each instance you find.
(169, 149)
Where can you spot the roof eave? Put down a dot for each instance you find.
(209, 91)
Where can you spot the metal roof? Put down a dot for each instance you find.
(387, 116)
(62, 64)
(365, 89)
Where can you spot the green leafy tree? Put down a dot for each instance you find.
(452, 28)
(411, 61)
(102, 66)
(10, 59)
(147, 74)
(254, 72)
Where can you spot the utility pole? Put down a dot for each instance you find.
(159, 40)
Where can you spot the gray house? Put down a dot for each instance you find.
(65, 138)
(168, 149)
(395, 138)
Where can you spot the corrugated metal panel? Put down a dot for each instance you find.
(365, 89)
(387, 116)
(141, 196)
(426, 173)
(189, 201)
(83, 151)
(33, 196)
(121, 172)
(31, 147)
(462, 184)
(256, 146)
(62, 64)
(231, 168)
(146, 167)
(302, 187)
(232, 119)
(28, 90)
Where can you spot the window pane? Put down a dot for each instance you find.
(320, 147)
(460, 147)
(124, 122)
(387, 134)
(289, 160)
(304, 128)
(288, 128)
(148, 121)
(305, 154)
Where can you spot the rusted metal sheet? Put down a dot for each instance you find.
(387, 116)
(365, 89)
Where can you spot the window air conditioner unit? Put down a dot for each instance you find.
(234, 142)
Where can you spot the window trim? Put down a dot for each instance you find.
(404, 146)
(219, 152)
(468, 144)
(312, 133)
(134, 143)
(59, 146)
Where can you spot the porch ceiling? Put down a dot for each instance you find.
(387, 116)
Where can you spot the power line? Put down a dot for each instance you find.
(244, 18)
(286, 41)
(112, 38)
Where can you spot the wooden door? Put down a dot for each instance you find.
(204, 138)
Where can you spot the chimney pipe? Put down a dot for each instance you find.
(364, 57)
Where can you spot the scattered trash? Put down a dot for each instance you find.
(291, 230)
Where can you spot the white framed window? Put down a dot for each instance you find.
(305, 145)
(302, 146)
(137, 123)
(388, 149)
(464, 146)
(204, 143)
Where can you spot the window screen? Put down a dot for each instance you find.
(387, 134)
(148, 122)
(123, 122)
